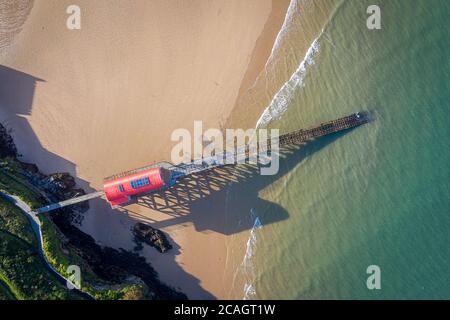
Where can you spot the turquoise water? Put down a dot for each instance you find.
(378, 195)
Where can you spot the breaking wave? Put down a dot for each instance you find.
(281, 34)
(247, 267)
(283, 97)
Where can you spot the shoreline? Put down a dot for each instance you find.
(75, 100)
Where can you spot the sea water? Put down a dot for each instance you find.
(376, 195)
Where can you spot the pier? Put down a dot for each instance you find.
(196, 166)
(323, 129)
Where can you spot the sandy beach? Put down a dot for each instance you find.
(106, 98)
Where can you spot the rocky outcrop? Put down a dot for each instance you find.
(151, 236)
(54, 187)
(57, 187)
(63, 186)
(115, 266)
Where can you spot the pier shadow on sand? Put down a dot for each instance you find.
(17, 90)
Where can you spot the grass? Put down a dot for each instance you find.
(12, 182)
(15, 223)
(24, 273)
(5, 292)
(61, 259)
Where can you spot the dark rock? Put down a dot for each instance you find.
(113, 265)
(63, 180)
(109, 264)
(151, 236)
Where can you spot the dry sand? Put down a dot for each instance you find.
(106, 98)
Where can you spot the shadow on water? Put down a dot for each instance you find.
(205, 201)
(188, 201)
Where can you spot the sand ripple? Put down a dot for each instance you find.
(13, 14)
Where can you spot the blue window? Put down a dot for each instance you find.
(140, 183)
(121, 187)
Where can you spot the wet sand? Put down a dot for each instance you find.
(106, 98)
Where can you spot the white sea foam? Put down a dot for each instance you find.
(275, 109)
(251, 242)
(247, 264)
(283, 97)
(281, 34)
(249, 291)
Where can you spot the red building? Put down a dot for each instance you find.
(120, 189)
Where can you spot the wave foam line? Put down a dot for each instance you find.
(283, 97)
(286, 23)
(247, 265)
(251, 242)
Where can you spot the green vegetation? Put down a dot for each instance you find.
(14, 223)
(5, 292)
(12, 182)
(61, 259)
(23, 274)
(23, 271)
(12, 220)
